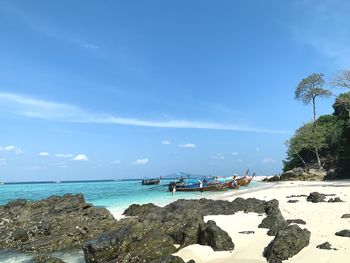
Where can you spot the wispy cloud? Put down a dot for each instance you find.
(64, 155)
(325, 27)
(43, 154)
(53, 111)
(267, 161)
(90, 46)
(117, 162)
(235, 153)
(80, 157)
(218, 156)
(141, 161)
(11, 149)
(187, 145)
(2, 161)
(166, 142)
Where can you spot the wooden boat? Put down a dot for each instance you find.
(245, 180)
(191, 185)
(150, 181)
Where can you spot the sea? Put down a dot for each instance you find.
(116, 196)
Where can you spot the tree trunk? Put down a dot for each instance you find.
(301, 159)
(318, 158)
(314, 107)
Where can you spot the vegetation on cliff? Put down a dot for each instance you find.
(324, 142)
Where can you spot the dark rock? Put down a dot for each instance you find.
(274, 223)
(343, 233)
(136, 209)
(247, 232)
(346, 216)
(325, 245)
(45, 259)
(169, 259)
(212, 235)
(335, 200)
(52, 224)
(316, 197)
(292, 201)
(287, 243)
(296, 221)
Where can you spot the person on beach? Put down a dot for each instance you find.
(174, 189)
(200, 186)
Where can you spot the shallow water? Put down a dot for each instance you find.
(114, 195)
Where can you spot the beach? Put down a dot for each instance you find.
(322, 219)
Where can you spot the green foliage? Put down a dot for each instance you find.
(310, 88)
(341, 105)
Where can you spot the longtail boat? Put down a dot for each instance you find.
(191, 185)
(245, 180)
(150, 181)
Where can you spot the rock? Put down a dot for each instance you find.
(51, 224)
(292, 201)
(296, 221)
(325, 245)
(287, 243)
(247, 232)
(136, 209)
(45, 259)
(343, 233)
(335, 200)
(316, 197)
(212, 235)
(169, 259)
(346, 216)
(274, 220)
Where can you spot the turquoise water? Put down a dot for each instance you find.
(114, 195)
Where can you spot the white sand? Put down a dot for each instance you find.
(322, 219)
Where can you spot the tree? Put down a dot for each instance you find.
(342, 80)
(307, 91)
(342, 105)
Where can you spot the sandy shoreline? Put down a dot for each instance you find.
(322, 219)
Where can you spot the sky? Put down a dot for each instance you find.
(133, 89)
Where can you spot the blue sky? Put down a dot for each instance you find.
(121, 89)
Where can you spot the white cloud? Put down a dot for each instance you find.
(188, 145)
(267, 161)
(44, 154)
(2, 161)
(257, 149)
(235, 153)
(64, 155)
(80, 157)
(165, 142)
(53, 111)
(90, 46)
(11, 149)
(117, 162)
(218, 156)
(141, 161)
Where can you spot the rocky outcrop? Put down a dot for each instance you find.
(345, 216)
(212, 235)
(343, 233)
(287, 243)
(51, 224)
(150, 234)
(299, 174)
(316, 197)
